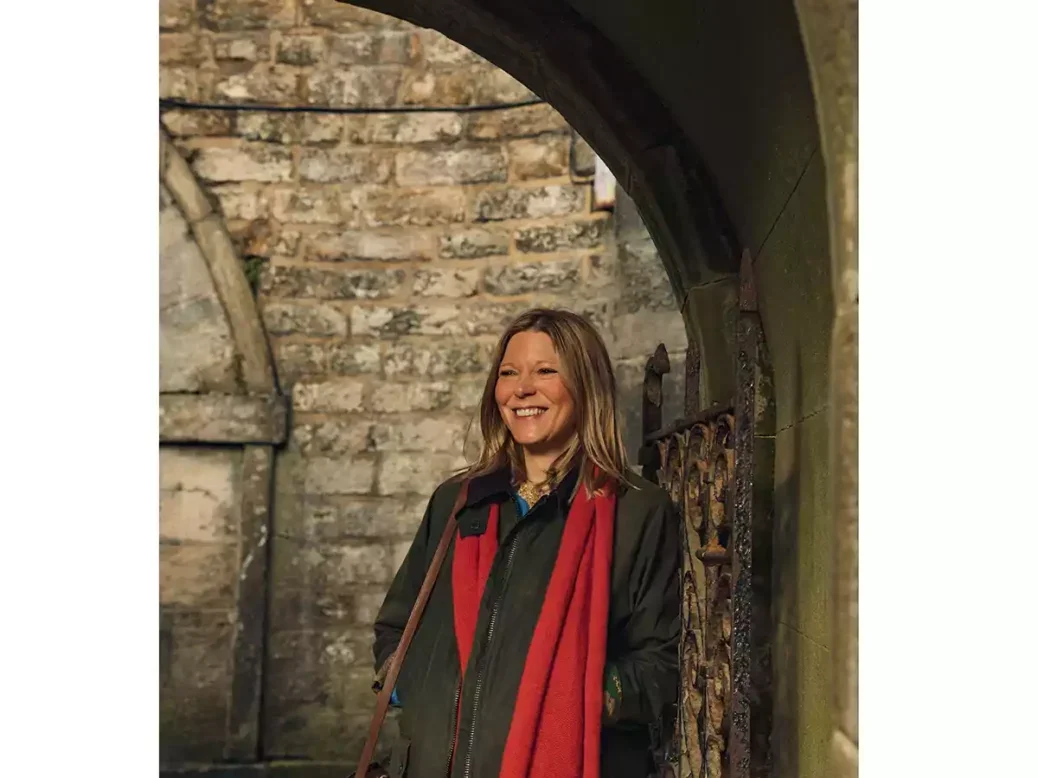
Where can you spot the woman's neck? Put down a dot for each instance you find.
(537, 464)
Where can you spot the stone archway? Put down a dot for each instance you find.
(739, 135)
(220, 417)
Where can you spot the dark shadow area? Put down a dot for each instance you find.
(786, 562)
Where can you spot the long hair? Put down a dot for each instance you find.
(588, 375)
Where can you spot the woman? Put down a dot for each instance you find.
(549, 643)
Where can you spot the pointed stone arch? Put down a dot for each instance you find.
(221, 415)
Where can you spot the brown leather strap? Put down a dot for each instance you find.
(397, 659)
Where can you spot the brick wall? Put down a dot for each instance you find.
(387, 251)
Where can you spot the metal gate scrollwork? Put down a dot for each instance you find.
(705, 462)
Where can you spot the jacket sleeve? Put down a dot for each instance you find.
(392, 616)
(644, 679)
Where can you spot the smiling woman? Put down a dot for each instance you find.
(551, 646)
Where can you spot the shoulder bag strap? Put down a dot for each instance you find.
(397, 659)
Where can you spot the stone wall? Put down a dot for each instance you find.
(387, 252)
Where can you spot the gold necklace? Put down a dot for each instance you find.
(531, 492)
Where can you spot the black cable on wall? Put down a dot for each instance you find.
(168, 103)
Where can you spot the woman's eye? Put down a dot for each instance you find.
(504, 373)
(547, 371)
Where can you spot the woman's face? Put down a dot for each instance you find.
(534, 402)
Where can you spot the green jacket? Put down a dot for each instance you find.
(644, 622)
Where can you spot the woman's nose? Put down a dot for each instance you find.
(521, 389)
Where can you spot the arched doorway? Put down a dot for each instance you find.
(721, 159)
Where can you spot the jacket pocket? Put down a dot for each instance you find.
(398, 759)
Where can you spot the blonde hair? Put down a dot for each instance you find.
(588, 375)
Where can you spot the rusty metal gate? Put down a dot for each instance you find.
(721, 725)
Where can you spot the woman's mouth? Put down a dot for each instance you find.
(526, 413)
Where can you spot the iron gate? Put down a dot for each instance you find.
(705, 461)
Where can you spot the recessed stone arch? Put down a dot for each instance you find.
(255, 372)
(220, 418)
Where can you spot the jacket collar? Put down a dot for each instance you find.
(496, 486)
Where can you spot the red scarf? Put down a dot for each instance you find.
(556, 727)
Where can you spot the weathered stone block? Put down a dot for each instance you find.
(196, 343)
(384, 246)
(582, 157)
(338, 519)
(192, 417)
(447, 282)
(435, 359)
(195, 685)
(340, 16)
(234, 15)
(241, 202)
(199, 575)
(298, 360)
(309, 206)
(333, 439)
(320, 128)
(179, 184)
(638, 334)
(300, 50)
(370, 48)
(538, 158)
(350, 166)
(392, 321)
(494, 86)
(438, 49)
(297, 318)
(439, 87)
(241, 47)
(529, 203)
(184, 124)
(275, 128)
(419, 432)
(379, 207)
(549, 276)
(259, 86)
(525, 122)
(330, 284)
(324, 652)
(357, 86)
(467, 394)
(405, 128)
(342, 395)
(176, 14)
(644, 282)
(419, 474)
(415, 396)
(382, 321)
(325, 732)
(473, 243)
(600, 273)
(342, 475)
(279, 127)
(476, 165)
(354, 358)
(546, 238)
(199, 494)
(263, 238)
(328, 567)
(179, 82)
(180, 48)
(243, 162)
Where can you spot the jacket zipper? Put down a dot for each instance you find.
(457, 723)
(482, 665)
